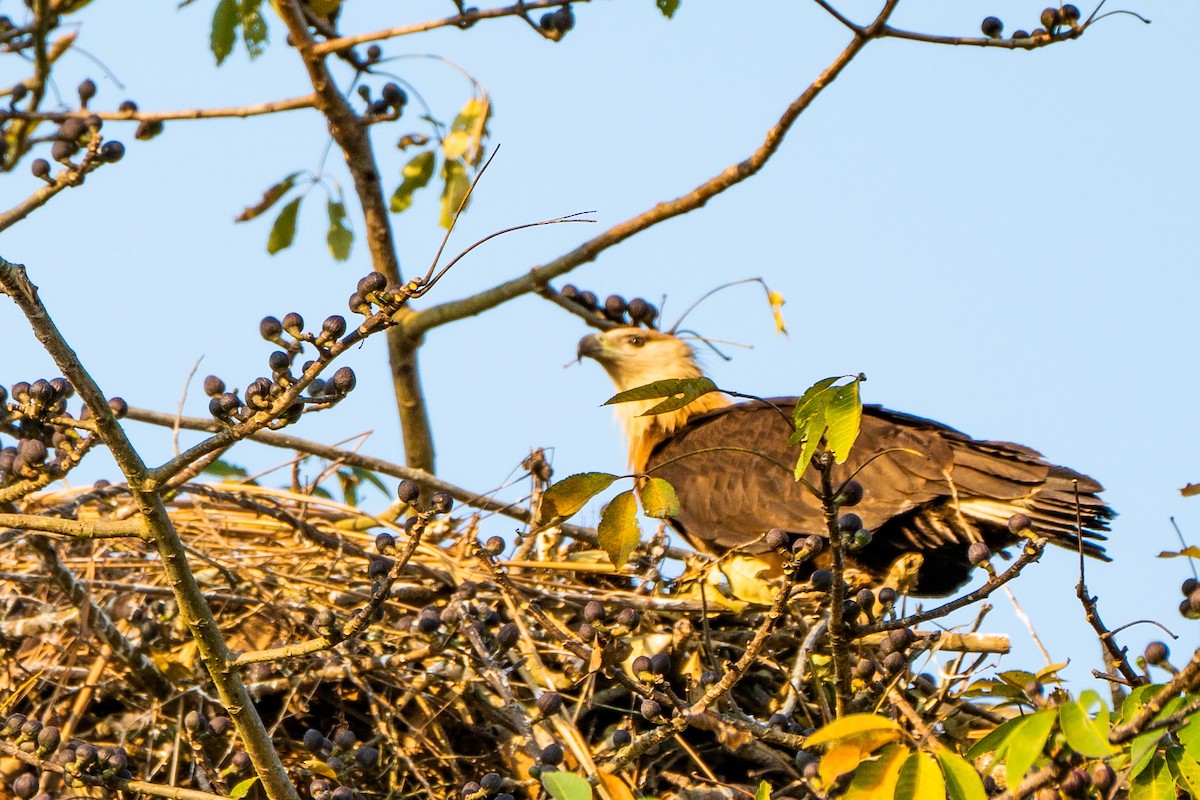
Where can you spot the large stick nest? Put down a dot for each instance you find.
(457, 678)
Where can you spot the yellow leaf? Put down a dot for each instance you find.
(659, 499)
(854, 725)
(571, 494)
(618, 531)
(842, 758)
(876, 778)
(920, 779)
(776, 300)
(748, 579)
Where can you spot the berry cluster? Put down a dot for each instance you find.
(345, 757)
(374, 292)
(614, 309)
(262, 393)
(555, 24)
(73, 135)
(597, 628)
(1190, 605)
(81, 763)
(35, 414)
(1053, 21)
(390, 103)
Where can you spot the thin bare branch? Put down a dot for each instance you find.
(236, 112)
(539, 277)
(464, 20)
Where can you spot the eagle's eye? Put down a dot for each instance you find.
(637, 341)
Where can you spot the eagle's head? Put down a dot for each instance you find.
(635, 357)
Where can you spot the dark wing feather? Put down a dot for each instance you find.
(929, 489)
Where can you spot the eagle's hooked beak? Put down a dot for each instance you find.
(590, 346)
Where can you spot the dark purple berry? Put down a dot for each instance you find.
(441, 503)
(549, 703)
(270, 328)
(992, 27)
(821, 580)
(111, 151)
(776, 539)
(508, 635)
(979, 554)
(87, 90)
(1157, 653)
(552, 755)
(1018, 523)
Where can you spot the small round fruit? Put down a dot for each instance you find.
(992, 27)
(1157, 653)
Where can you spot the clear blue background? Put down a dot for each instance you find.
(1003, 241)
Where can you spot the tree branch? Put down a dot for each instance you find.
(352, 136)
(195, 610)
(416, 324)
(464, 20)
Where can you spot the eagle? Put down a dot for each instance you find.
(928, 488)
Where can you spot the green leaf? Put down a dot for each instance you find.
(962, 781)
(1050, 672)
(812, 401)
(1153, 783)
(809, 438)
(920, 779)
(254, 27)
(1025, 749)
(986, 687)
(667, 7)
(812, 418)
(569, 495)
(284, 229)
(242, 788)
(566, 786)
(1017, 742)
(1185, 771)
(270, 197)
(339, 237)
(1017, 678)
(1086, 735)
(224, 29)
(659, 499)
(618, 530)
(415, 174)
(349, 485)
(678, 391)
(843, 417)
(454, 190)
(1144, 746)
(1189, 735)
(763, 792)
(367, 476)
(224, 469)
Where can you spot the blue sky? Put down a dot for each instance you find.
(1002, 241)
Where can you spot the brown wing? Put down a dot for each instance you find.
(928, 488)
